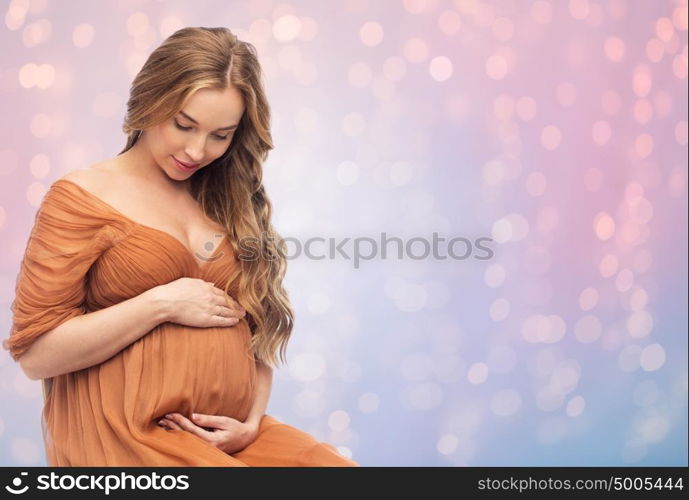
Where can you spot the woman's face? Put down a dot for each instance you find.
(200, 133)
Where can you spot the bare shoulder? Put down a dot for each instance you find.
(92, 178)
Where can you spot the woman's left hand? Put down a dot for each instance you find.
(225, 433)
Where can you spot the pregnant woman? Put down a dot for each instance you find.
(154, 330)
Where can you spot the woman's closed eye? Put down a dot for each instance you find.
(219, 137)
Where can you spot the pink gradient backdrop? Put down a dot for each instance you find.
(557, 128)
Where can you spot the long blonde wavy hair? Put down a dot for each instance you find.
(230, 189)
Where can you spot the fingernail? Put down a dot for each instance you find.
(168, 416)
(194, 416)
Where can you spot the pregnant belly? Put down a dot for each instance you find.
(186, 369)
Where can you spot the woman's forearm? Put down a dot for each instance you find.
(92, 338)
(264, 382)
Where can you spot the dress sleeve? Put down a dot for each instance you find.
(67, 237)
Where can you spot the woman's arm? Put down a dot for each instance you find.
(92, 338)
(264, 382)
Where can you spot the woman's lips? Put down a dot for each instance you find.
(186, 166)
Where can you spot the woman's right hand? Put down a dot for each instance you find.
(199, 303)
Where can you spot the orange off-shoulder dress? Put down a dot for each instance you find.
(82, 256)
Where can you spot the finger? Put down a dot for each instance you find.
(229, 312)
(222, 297)
(231, 303)
(215, 421)
(238, 310)
(228, 322)
(227, 317)
(221, 293)
(236, 313)
(223, 311)
(189, 426)
(170, 425)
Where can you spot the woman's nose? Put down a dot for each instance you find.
(195, 149)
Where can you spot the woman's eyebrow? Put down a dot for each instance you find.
(194, 121)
